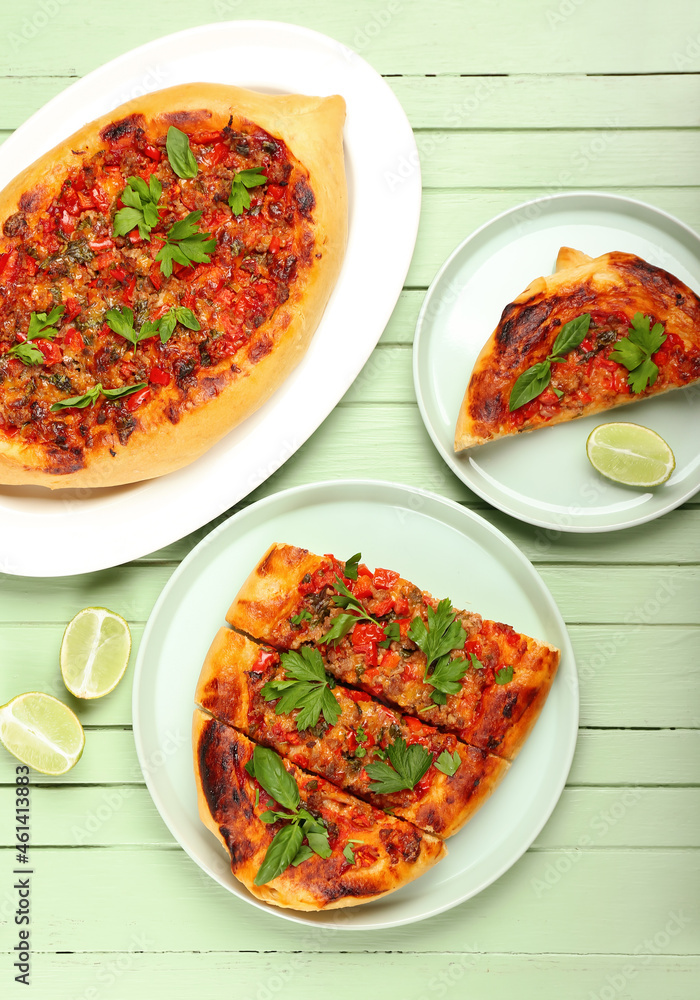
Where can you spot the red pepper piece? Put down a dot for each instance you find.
(137, 399)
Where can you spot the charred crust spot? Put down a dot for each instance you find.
(486, 408)
(125, 126)
(493, 744)
(304, 197)
(255, 675)
(510, 704)
(172, 413)
(260, 349)
(527, 321)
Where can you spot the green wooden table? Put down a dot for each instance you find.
(509, 100)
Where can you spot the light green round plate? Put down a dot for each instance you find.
(440, 546)
(544, 477)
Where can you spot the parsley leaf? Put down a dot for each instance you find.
(409, 766)
(534, 380)
(635, 350)
(475, 663)
(178, 314)
(503, 675)
(303, 616)
(348, 852)
(351, 565)
(448, 763)
(446, 677)
(141, 207)
(286, 846)
(442, 634)
(181, 157)
(306, 689)
(340, 626)
(239, 198)
(121, 321)
(185, 245)
(92, 395)
(42, 325)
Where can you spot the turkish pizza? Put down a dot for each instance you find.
(364, 687)
(598, 333)
(161, 272)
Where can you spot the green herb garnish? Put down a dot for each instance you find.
(141, 207)
(178, 314)
(181, 157)
(635, 350)
(185, 245)
(503, 675)
(239, 197)
(351, 565)
(286, 847)
(41, 325)
(448, 763)
(303, 616)
(535, 380)
(437, 640)
(409, 766)
(92, 395)
(348, 852)
(307, 689)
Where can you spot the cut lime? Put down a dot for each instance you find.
(42, 732)
(94, 652)
(630, 454)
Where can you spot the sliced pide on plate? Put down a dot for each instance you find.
(478, 679)
(598, 333)
(294, 839)
(162, 271)
(288, 702)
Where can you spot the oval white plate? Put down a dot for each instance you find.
(272, 57)
(444, 548)
(545, 477)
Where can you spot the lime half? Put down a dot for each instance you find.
(94, 652)
(630, 454)
(42, 732)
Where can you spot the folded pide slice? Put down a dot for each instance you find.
(294, 839)
(395, 762)
(479, 679)
(596, 334)
(161, 272)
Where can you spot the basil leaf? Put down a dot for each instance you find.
(79, 402)
(504, 675)
(571, 334)
(280, 854)
(530, 384)
(277, 782)
(181, 157)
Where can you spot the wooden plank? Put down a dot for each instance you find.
(121, 815)
(604, 757)
(483, 102)
(396, 36)
(164, 897)
(642, 975)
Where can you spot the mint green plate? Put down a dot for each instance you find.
(545, 477)
(445, 549)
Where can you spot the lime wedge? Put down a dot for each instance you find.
(630, 454)
(94, 652)
(42, 732)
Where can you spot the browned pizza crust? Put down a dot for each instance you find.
(614, 283)
(396, 851)
(230, 688)
(492, 716)
(225, 394)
